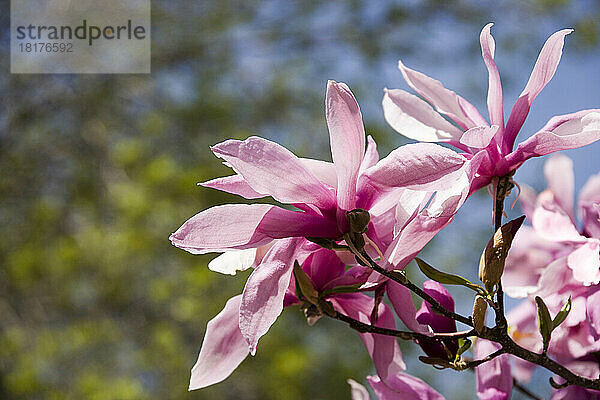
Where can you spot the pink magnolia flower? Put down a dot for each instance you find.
(554, 242)
(471, 133)
(322, 192)
(563, 264)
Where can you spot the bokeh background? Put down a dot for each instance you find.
(98, 170)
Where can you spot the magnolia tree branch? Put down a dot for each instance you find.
(503, 189)
(405, 335)
(399, 277)
(490, 357)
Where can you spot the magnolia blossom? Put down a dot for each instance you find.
(471, 133)
(399, 204)
(395, 191)
(560, 261)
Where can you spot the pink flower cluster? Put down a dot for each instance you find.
(409, 196)
(557, 258)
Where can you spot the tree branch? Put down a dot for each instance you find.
(503, 188)
(475, 363)
(404, 335)
(400, 278)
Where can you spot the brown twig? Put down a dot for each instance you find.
(503, 188)
(475, 363)
(405, 335)
(400, 278)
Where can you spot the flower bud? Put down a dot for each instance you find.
(479, 310)
(358, 220)
(312, 313)
(491, 264)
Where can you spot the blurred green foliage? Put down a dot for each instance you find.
(97, 171)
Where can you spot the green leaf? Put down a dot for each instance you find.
(463, 345)
(304, 286)
(342, 289)
(445, 278)
(544, 321)
(562, 314)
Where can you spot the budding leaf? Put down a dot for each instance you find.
(479, 310)
(358, 220)
(304, 286)
(562, 314)
(544, 321)
(342, 289)
(445, 278)
(491, 263)
(463, 345)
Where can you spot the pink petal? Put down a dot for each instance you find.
(418, 232)
(445, 101)
(383, 349)
(494, 379)
(527, 200)
(575, 392)
(593, 313)
(241, 226)
(428, 316)
(522, 370)
(419, 166)
(589, 206)
(524, 327)
(235, 184)
(494, 98)
(403, 387)
(402, 302)
(543, 71)
(358, 391)
(232, 261)
(371, 155)
(554, 278)
(554, 225)
(262, 299)
(479, 137)
(408, 203)
(322, 266)
(563, 132)
(223, 348)
(323, 170)
(347, 136)
(272, 169)
(527, 257)
(558, 171)
(414, 118)
(585, 263)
